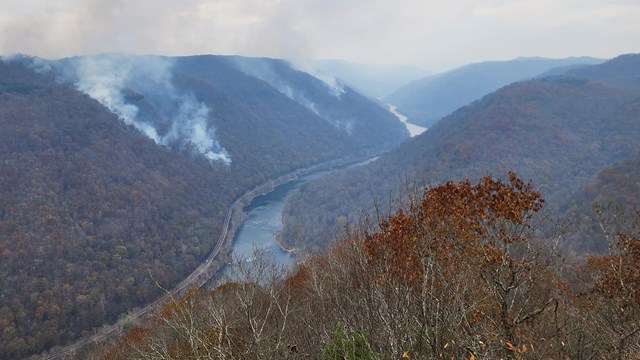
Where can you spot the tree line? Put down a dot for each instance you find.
(460, 271)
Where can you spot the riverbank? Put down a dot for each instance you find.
(239, 215)
(201, 276)
(413, 129)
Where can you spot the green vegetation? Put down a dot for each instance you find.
(354, 347)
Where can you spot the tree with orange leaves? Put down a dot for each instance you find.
(476, 239)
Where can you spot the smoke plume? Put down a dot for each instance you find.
(110, 78)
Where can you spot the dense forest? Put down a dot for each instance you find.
(89, 209)
(462, 271)
(558, 132)
(94, 211)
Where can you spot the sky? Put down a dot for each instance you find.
(433, 34)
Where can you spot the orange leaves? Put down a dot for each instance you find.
(449, 223)
(298, 281)
(618, 275)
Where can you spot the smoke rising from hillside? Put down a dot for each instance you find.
(104, 78)
(110, 78)
(264, 70)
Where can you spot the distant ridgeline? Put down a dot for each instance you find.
(429, 99)
(560, 132)
(115, 169)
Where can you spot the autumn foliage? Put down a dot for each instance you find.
(455, 218)
(463, 271)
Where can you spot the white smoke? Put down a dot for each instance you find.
(336, 88)
(106, 77)
(262, 70)
(191, 123)
(296, 96)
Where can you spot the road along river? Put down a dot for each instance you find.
(203, 273)
(264, 213)
(264, 220)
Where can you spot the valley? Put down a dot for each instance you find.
(304, 179)
(130, 198)
(130, 179)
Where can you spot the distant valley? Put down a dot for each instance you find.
(428, 99)
(558, 132)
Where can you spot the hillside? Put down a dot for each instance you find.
(619, 182)
(427, 100)
(558, 132)
(103, 195)
(376, 81)
(468, 271)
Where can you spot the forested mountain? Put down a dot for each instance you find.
(245, 98)
(376, 81)
(427, 100)
(94, 209)
(558, 132)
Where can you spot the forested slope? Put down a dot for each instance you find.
(90, 208)
(429, 99)
(93, 211)
(558, 132)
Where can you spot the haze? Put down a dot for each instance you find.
(436, 35)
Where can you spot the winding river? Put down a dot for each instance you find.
(264, 220)
(264, 213)
(412, 128)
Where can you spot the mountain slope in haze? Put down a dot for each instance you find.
(427, 100)
(105, 193)
(173, 98)
(366, 126)
(376, 81)
(558, 132)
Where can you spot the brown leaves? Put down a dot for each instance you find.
(450, 221)
(618, 275)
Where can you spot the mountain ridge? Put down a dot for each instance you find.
(429, 99)
(117, 173)
(558, 132)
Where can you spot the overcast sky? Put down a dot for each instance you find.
(434, 34)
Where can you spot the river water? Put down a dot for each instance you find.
(413, 129)
(264, 213)
(264, 221)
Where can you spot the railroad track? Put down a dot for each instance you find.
(186, 283)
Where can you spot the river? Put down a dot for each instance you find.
(264, 220)
(412, 128)
(264, 213)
